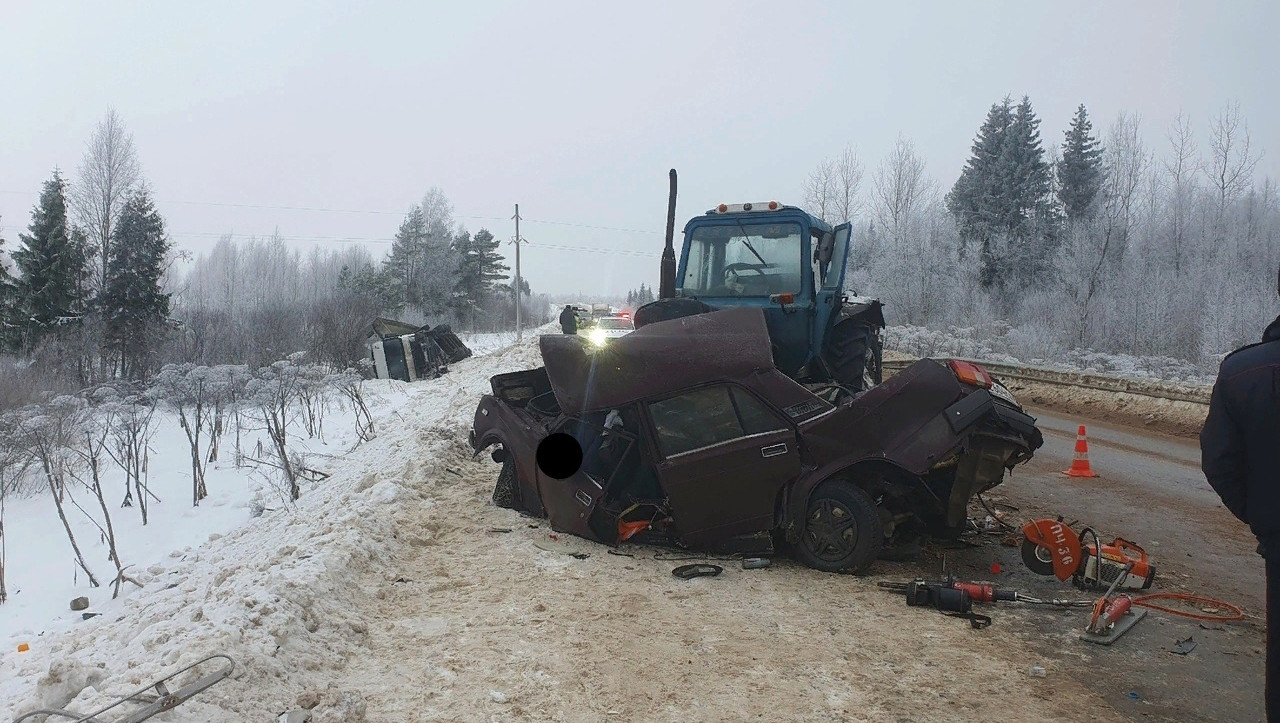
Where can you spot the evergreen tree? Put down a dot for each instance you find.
(1080, 170)
(134, 307)
(8, 297)
(977, 197)
(421, 268)
(51, 265)
(1003, 198)
(480, 267)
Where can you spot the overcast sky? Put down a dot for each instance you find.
(576, 110)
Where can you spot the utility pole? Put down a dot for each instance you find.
(518, 329)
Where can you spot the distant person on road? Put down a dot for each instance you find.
(568, 320)
(1240, 456)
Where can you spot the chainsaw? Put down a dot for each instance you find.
(1052, 548)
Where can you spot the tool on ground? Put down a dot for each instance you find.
(947, 597)
(1052, 548)
(1112, 617)
(985, 592)
(688, 572)
(1080, 463)
(162, 700)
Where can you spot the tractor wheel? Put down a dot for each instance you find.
(842, 529)
(506, 493)
(853, 354)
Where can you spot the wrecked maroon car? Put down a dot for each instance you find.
(689, 435)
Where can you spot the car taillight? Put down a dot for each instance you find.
(971, 373)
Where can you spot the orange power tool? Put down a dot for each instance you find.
(1052, 548)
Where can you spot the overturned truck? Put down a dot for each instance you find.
(690, 435)
(409, 353)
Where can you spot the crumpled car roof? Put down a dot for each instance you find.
(656, 358)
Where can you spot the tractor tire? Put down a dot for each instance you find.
(854, 353)
(842, 529)
(506, 492)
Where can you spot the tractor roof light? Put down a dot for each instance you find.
(971, 373)
(746, 207)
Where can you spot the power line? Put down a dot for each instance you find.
(322, 209)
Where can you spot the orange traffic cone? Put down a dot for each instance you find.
(1080, 465)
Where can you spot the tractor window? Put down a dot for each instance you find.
(745, 259)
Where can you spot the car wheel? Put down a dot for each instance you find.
(842, 529)
(506, 493)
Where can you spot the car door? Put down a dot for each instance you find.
(570, 502)
(724, 455)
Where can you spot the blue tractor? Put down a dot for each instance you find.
(789, 263)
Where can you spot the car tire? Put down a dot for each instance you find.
(853, 354)
(842, 529)
(506, 492)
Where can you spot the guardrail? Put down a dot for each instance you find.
(1153, 388)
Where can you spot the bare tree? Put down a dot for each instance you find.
(192, 393)
(820, 190)
(89, 443)
(1230, 164)
(108, 172)
(274, 390)
(47, 433)
(847, 182)
(131, 434)
(901, 190)
(1180, 168)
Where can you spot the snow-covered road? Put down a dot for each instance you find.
(388, 594)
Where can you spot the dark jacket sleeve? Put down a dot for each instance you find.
(1222, 454)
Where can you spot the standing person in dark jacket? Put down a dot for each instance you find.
(568, 320)
(1240, 456)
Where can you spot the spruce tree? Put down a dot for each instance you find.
(480, 267)
(1080, 170)
(51, 265)
(134, 307)
(422, 266)
(1002, 201)
(8, 297)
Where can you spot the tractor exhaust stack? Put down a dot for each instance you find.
(667, 280)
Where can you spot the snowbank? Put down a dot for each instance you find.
(273, 591)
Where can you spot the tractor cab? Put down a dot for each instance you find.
(772, 256)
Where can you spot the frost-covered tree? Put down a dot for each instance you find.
(9, 326)
(1003, 199)
(422, 266)
(51, 266)
(133, 304)
(47, 434)
(192, 393)
(900, 191)
(1079, 170)
(108, 174)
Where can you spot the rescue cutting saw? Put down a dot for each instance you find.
(1051, 547)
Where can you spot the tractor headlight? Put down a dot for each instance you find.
(597, 337)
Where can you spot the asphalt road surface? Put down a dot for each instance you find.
(1150, 491)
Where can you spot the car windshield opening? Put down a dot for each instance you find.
(615, 324)
(744, 259)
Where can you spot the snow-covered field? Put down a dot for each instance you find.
(393, 591)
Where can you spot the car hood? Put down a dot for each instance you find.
(656, 358)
